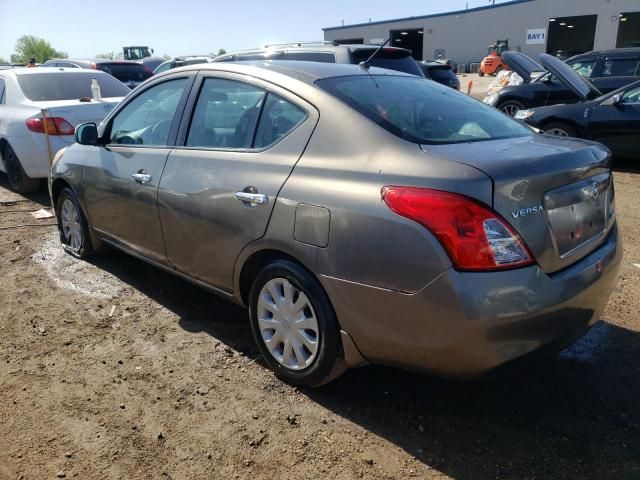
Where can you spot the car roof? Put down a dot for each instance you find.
(92, 60)
(308, 72)
(617, 51)
(309, 46)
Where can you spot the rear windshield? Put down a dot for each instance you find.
(422, 111)
(441, 73)
(68, 85)
(393, 59)
(126, 72)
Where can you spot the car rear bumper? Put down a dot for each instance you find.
(465, 325)
(33, 153)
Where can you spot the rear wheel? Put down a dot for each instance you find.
(560, 130)
(19, 181)
(294, 325)
(510, 107)
(72, 225)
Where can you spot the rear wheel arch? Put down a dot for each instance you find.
(255, 263)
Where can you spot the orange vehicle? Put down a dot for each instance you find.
(492, 64)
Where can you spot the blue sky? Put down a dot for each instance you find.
(85, 28)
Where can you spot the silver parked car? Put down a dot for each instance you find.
(363, 215)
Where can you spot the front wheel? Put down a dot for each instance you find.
(294, 325)
(559, 130)
(510, 107)
(73, 226)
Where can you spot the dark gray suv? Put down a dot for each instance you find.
(393, 58)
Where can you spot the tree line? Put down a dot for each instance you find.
(30, 46)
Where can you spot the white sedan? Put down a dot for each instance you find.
(67, 96)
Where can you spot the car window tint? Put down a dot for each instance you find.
(146, 120)
(619, 67)
(69, 85)
(162, 67)
(225, 115)
(422, 111)
(278, 118)
(583, 67)
(322, 57)
(632, 97)
(1, 91)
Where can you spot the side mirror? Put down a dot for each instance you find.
(87, 134)
(613, 101)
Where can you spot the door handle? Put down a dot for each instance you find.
(252, 198)
(141, 177)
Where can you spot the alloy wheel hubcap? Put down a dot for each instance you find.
(510, 109)
(558, 132)
(71, 228)
(288, 324)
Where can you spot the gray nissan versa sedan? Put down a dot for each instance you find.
(363, 215)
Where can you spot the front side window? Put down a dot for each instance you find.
(278, 118)
(619, 67)
(632, 97)
(422, 111)
(147, 119)
(583, 67)
(225, 115)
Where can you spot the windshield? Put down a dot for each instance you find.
(126, 72)
(68, 85)
(422, 111)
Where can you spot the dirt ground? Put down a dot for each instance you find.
(115, 370)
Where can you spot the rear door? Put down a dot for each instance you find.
(239, 145)
(122, 177)
(616, 72)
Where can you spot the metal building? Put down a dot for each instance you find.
(558, 27)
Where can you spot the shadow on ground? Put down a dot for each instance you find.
(576, 415)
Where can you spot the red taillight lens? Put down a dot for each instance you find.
(54, 126)
(474, 237)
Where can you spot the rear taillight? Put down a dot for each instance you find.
(475, 237)
(54, 126)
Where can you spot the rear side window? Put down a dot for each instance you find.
(583, 67)
(323, 57)
(619, 67)
(225, 115)
(126, 72)
(393, 59)
(422, 111)
(278, 118)
(68, 85)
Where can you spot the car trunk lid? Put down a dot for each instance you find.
(76, 112)
(557, 193)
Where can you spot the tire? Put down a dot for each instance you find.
(560, 129)
(480, 73)
(19, 181)
(510, 107)
(313, 362)
(72, 225)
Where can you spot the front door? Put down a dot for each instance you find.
(618, 126)
(122, 176)
(219, 188)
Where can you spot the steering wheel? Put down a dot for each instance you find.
(160, 132)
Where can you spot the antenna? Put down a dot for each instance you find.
(367, 63)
